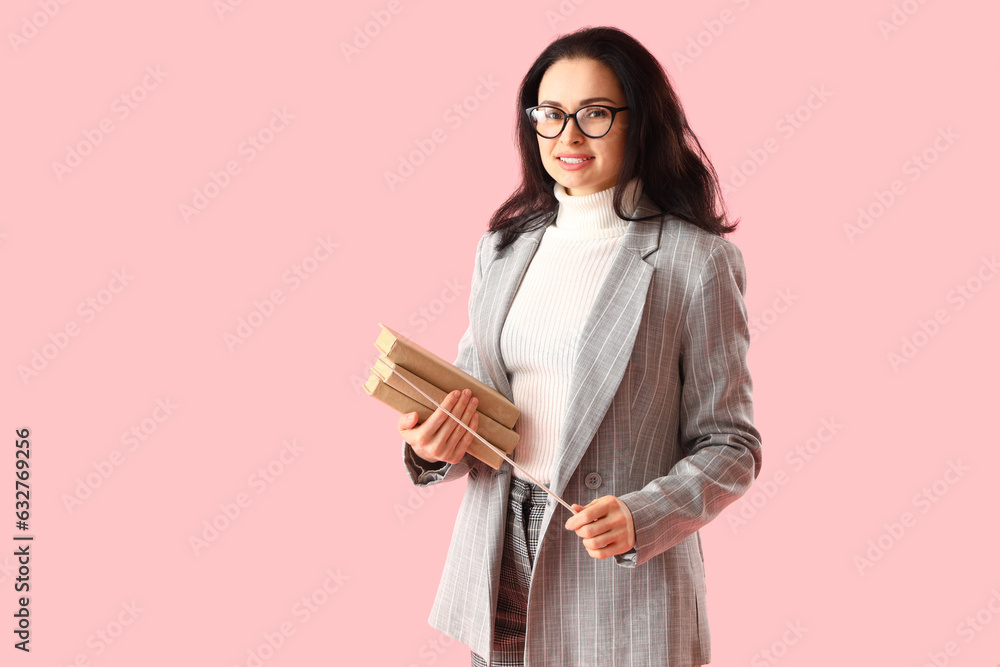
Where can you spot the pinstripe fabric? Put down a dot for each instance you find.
(660, 408)
(558, 287)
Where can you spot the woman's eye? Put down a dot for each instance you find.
(597, 112)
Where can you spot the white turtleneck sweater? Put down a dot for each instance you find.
(540, 336)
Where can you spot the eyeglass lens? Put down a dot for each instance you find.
(594, 121)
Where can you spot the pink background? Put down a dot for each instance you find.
(336, 521)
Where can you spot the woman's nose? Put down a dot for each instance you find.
(571, 134)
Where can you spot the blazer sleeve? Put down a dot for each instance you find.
(721, 445)
(421, 472)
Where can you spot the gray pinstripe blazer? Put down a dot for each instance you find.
(660, 408)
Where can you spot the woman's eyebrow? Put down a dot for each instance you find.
(583, 103)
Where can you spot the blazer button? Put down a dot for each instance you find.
(593, 480)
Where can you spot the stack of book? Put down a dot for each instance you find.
(401, 359)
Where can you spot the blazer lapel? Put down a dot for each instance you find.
(502, 278)
(606, 343)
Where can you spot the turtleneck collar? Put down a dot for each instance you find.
(593, 215)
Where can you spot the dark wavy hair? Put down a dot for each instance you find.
(660, 147)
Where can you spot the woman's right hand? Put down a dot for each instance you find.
(439, 438)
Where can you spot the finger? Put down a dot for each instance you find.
(424, 437)
(594, 511)
(438, 418)
(600, 530)
(451, 433)
(464, 410)
(407, 421)
(456, 453)
(613, 522)
(576, 511)
(466, 441)
(457, 409)
(604, 539)
(612, 548)
(602, 553)
(583, 517)
(578, 519)
(470, 409)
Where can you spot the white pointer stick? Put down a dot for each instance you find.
(498, 451)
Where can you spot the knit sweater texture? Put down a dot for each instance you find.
(540, 337)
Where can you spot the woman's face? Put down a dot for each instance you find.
(569, 85)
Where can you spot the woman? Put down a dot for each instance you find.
(606, 305)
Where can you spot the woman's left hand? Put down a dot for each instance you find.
(605, 526)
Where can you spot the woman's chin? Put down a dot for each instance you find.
(586, 187)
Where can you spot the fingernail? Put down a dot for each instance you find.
(467, 392)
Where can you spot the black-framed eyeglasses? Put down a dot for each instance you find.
(594, 120)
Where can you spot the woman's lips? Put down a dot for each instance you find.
(574, 162)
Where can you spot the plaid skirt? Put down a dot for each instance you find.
(525, 509)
